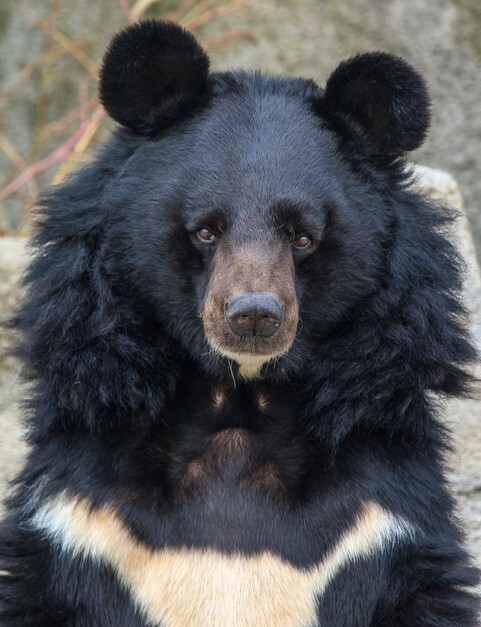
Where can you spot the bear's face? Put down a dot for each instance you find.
(242, 224)
(249, 206)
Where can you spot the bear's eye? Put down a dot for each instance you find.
(206, 235)
(301, 240)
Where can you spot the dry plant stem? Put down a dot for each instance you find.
(48, 130)
(26, 72)
(176, 14)
(59, 126)
(208, 15)
(191, 14)
(59, 154)
(235, 33)
(139, 8)
(19, 162)
(69, 44)
(81, 146)
(197, 9)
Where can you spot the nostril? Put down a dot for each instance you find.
(254, 313)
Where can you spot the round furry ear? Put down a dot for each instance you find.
(153, 73)
(385, 96)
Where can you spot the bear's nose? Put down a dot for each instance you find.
(254, 313)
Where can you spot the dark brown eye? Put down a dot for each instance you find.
(302, 240)
(206, 235)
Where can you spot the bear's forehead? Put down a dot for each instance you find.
(255, 144)
(263, 123)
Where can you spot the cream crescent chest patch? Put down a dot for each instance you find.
(206, 588)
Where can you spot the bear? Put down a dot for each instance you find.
(239, 327)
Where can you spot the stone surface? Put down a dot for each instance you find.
(463, 416)
(13, 258)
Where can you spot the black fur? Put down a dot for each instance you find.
(153, 73)
(382, 94)
(124, 383)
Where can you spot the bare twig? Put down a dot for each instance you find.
(196, 9)
(226, 38)
(26, 71)
(18, 161)
(215, 12)
(139, 8)
(82, 144)
(59, 154)
(69, 44)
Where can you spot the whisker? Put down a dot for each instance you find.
(232, 374)
(301, 326)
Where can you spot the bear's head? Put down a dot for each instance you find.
(248, 218)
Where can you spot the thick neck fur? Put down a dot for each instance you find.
(216, 427)
(98, 365)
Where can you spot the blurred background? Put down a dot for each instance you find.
(51, 122)
(50, 119)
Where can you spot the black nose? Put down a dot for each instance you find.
(254, 313)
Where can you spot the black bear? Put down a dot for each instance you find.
(238, 326)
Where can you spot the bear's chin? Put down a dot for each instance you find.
(249, 364)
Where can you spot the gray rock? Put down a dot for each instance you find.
(13, 258)
(463, 416)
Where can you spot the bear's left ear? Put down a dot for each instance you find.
(385, 96)
(153, 73)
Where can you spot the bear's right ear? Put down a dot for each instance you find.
(153, 73)
(384, 96)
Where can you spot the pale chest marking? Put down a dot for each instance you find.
(205, 588)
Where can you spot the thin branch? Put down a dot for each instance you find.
(69, 44)
(59, 154)
(58, 126)
(226, 38)
(81, 145)
(139, 8)
(176, 14)
(18, 161)
(27, 70)
(197, 9)
(211, 14)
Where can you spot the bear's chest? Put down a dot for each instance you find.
(206, 588)
(231, 458)
(240, 445)
(231, 495)
(181, 585)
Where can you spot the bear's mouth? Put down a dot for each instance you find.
(243, 344)
(249, 360)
